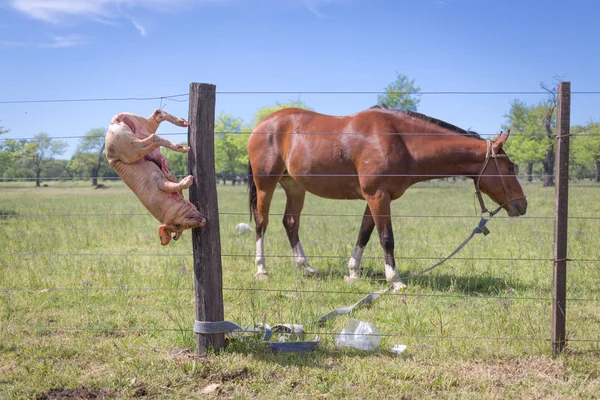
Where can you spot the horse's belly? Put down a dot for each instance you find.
(332, 186)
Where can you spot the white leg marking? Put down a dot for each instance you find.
(300, 259)
(259, 260)
(354, 264)
(393, 278)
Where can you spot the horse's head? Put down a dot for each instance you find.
(498, 179)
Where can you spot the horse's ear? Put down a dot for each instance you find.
(499, 141)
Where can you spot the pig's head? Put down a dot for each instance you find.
(179, 218)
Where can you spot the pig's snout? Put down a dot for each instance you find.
(194, 219)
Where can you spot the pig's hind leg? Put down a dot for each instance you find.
(154, 141)
(159, 116)
(173, 187)
(150, 147)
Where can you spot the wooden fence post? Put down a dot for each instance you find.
(206, 241)
(561, 214)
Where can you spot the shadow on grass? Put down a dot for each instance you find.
(321, 357)
(474, 285)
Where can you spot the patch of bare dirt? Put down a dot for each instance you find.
(78, 394)
(241, 374)
(515, 370)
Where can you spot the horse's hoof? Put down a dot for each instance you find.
(350, 279)
(310, 272)
(261, 276)
(398, 286)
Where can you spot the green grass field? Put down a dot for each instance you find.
(92, 305)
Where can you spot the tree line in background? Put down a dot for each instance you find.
(531, 146)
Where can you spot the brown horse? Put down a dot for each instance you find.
(373, 155)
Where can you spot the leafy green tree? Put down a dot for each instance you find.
(3, 130)
(528, 143)
(534, 127)
(231, 146)
(89, 156)
(40, 151)
(177, 161)
(400, 94)
(585, 149)
(6, 157)
(548, 119)
(264, 112)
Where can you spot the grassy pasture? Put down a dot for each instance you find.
(99, 308)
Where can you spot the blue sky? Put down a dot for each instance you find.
(71, 49)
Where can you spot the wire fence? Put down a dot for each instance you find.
(249, 132)
(183, 98)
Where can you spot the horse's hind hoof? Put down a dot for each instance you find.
(350, 279)
(310, 272)
(398, 286)
(261, 276)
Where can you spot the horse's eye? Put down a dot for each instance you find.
(511, 168)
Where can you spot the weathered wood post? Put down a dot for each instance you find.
(206, 241)
(561, 214)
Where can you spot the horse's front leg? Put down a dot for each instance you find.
(364, 234)
(291, 221)
(379, 204)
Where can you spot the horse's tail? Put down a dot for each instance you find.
(252, 201)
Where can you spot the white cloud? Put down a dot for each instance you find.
(139, 27)
(56, 11)
(103, 11)
(65, 41)
(10, 43)
(313, 6)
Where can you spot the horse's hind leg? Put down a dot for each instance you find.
(364, 234)
(379, 203)
(264, 193)
(291, 221)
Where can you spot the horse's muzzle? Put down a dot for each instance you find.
(517, 208)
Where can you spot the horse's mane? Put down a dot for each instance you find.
(438, 122)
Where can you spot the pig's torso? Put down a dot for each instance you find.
(143, 178)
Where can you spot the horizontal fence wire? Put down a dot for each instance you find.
(523, 217)
(289, 92)
(317, 333)
(431, 176)
(248, 255)
(222, 133)
(476, 296)
(87, 100)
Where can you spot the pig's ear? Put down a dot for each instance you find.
(165, 235)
